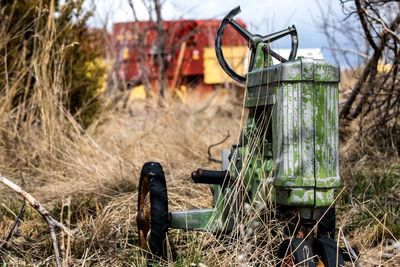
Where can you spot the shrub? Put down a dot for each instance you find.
(46, 50)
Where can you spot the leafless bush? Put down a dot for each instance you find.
(371, 103)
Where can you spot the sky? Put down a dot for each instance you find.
(261, 16)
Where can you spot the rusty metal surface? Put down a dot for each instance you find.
(143, 219)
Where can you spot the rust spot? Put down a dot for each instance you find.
(143, 215)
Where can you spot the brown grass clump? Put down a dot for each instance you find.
(87, 178)
(90, 180)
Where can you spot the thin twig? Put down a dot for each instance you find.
(14, 228)
(51, 222)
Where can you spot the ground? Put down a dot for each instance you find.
(89, 182)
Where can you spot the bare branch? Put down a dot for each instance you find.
(14, 228)
(160, 48)
(361, 14)
(369, 71)
(51, 222)
(144, 76)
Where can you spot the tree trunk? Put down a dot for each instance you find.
(160, 48)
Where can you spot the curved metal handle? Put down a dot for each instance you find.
(218, 43)
(277, 35)
(253, 40)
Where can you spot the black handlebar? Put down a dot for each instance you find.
(218, 43)
(253, 40)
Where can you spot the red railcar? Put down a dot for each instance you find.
(185, 45)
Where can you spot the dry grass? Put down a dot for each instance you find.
(98, 171)
(91, 185)
(88, 178)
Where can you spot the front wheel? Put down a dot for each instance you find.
(152, 216)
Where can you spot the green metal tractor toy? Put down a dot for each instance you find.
(289, 147)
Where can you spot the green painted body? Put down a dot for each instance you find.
(290, 143)
(304, 129)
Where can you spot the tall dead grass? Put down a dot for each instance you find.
(87, 178)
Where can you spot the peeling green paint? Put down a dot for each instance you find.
(305, 134)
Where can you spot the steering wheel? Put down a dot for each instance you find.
(253, 40)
